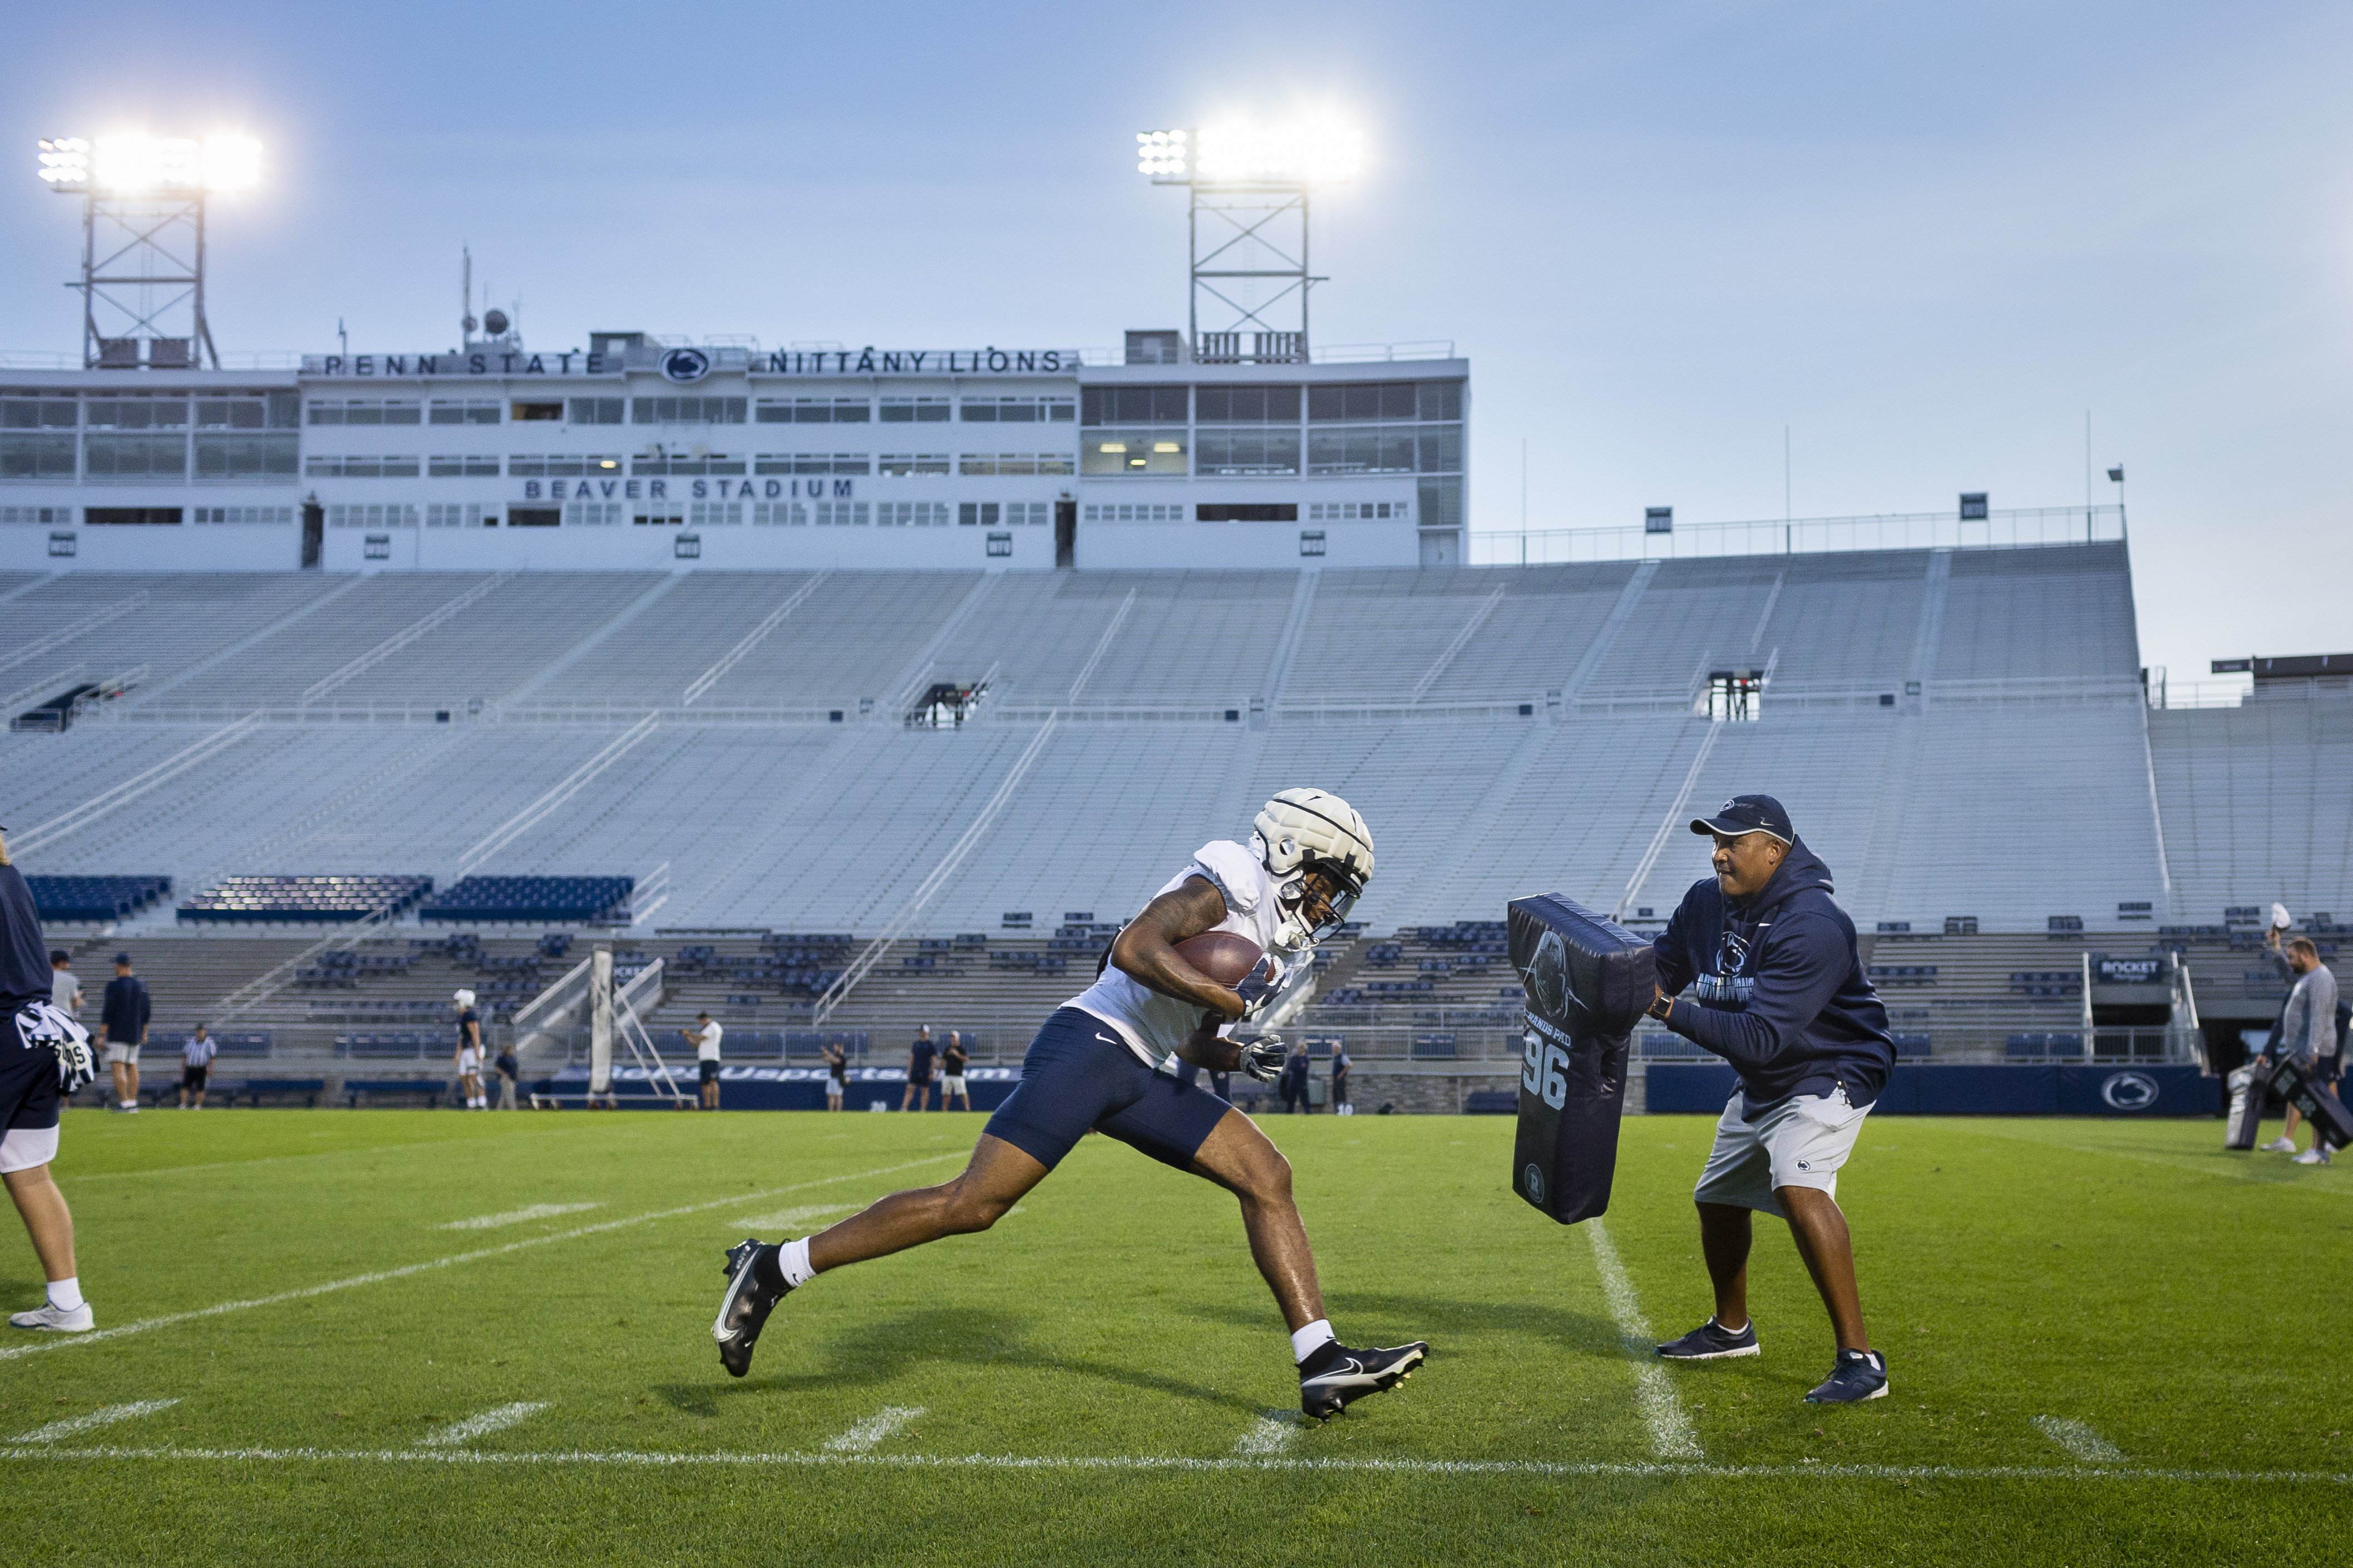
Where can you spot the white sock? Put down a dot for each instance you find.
(792, 1262)
(1307, 1342)
(65, 1295)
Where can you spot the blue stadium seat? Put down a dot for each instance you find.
(531, 899)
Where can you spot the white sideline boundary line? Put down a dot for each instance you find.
(2082, 1443)
(790, 1218)
(67, 1342)
(106, 1416)
(1637, 1469)
(1671, 1436)
(483, 1424)
(517, 1216)
(863, 1437)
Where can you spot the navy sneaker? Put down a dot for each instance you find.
(1336, 1376)
(1708, 1342)
(744, 1310)
(1859, 1375)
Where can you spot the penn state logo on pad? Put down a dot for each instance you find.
(2129, 1090)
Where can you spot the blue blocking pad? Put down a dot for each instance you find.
(1588, 980)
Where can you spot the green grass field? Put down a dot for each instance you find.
(1090, 1381)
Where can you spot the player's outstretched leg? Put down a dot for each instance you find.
(1239, 1158)
(760, 1276)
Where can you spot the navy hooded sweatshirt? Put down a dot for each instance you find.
(1781, 993)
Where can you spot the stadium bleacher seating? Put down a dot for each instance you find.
(304, 898)
(510, 898)
(95, 899)
(1504, 732)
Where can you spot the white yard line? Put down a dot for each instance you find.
(2080, 1441)
(67, 1342)
(517, 1216)
(1671, 1436)
(106, 1417)
(785, 1219)
(483, 1425)
(1270, 1435)
(1638, 1469)
(862, 1437)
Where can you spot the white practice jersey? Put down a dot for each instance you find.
(1154, 1025)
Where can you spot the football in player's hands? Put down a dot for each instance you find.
(1224, 956)
(1262, 1057)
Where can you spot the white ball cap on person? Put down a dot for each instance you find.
(463, 998)
(2280, 919)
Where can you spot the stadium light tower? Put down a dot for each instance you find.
(1247, 228)
(143, 239)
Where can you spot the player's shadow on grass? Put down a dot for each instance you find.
(1389, 1318)
(883, 1351)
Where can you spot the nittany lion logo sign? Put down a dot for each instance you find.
(2129, 1091)
(685, 364)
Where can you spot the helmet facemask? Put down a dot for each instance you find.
(1315, 901)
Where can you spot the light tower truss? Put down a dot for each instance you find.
(143, 247)
(1247, 228)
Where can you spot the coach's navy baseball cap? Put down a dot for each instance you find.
(1748, 813)
(122, 958)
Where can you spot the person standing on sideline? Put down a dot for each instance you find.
(2307, 1033)
(919, 1072)
(952, 1066)
(30, 1096)
(126, 1014)
(836, 1074)
(1780, 994)
(1341, 1105)
(469, 1051)
(1295, 1098)
(509, 1071)
(197, 1066)
(704, 1038)
(65, 985)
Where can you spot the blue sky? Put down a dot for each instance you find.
(1925, 239)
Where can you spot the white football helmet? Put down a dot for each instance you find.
(1304, 830)
(463, 998)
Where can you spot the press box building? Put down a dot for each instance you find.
(637, 450)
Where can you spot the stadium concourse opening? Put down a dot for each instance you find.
(804, 801)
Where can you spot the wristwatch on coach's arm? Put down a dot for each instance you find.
(1661, 1006)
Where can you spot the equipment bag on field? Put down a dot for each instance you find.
(2249, 1089)
(1588, 981)
(2331, 1123)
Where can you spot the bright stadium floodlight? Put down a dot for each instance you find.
(148, 193)
(1306, 152)
(64, 163)
(136, 165)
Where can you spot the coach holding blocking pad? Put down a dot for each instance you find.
(1777, 989)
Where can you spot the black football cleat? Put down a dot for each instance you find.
(744, 1310)
(1337, 1376)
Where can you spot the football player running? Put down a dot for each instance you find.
(1106, 1059)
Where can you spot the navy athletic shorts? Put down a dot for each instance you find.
(28, 1083)
(1079, 1074)
(709, 1070)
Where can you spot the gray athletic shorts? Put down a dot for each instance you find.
(1800, 1142)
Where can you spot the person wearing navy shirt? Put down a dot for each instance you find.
(920, 1057)
(127, 1013)
(1760, 967)
(29, 1100)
